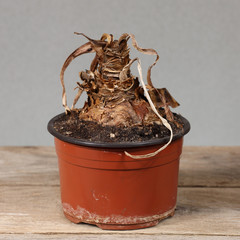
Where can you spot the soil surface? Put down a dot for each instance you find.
(71, 126)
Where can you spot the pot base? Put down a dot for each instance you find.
(129, 226)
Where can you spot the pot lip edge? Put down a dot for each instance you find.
(86, 143)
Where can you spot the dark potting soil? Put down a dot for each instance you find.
(71, 126)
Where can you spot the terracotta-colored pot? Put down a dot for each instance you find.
(101, 185)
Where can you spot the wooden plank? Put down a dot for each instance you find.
(128, 236)
(200, 166)
(210, 167)
(200, 211)
(28, 166)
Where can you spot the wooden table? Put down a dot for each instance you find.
(208, 198)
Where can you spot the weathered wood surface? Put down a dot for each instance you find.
(208, 198)
(210, 167)
(37, 209)
(28, 166)
(111, 237)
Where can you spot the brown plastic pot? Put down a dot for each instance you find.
(101, 185)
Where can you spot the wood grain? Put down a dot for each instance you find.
(37, 209)
(128, 236)
(210, 167)
(28, 166)
(199, 166)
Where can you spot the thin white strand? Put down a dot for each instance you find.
(164, 121)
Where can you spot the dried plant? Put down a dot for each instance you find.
(115, 96)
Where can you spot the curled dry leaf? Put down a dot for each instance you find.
(162, 98)
(79, 51)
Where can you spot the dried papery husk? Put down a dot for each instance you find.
(78, 95)
(112, 60)
(95, 42)
(107, 37)
(94, 64)
(123, 74)
(167, 96)
(164, 121)
(86, 48)
(162, 98)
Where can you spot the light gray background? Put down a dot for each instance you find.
(198, 42)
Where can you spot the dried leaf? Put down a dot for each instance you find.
(148, 51)
(79, 93)
(168, 97)
(107, 37)
(86, 48)
(123, 74)
(94, 64)
(95, 42)
(123, 37)
(162, 98)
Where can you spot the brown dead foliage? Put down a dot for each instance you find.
(115, 96)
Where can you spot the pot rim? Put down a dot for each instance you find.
(84, 142)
